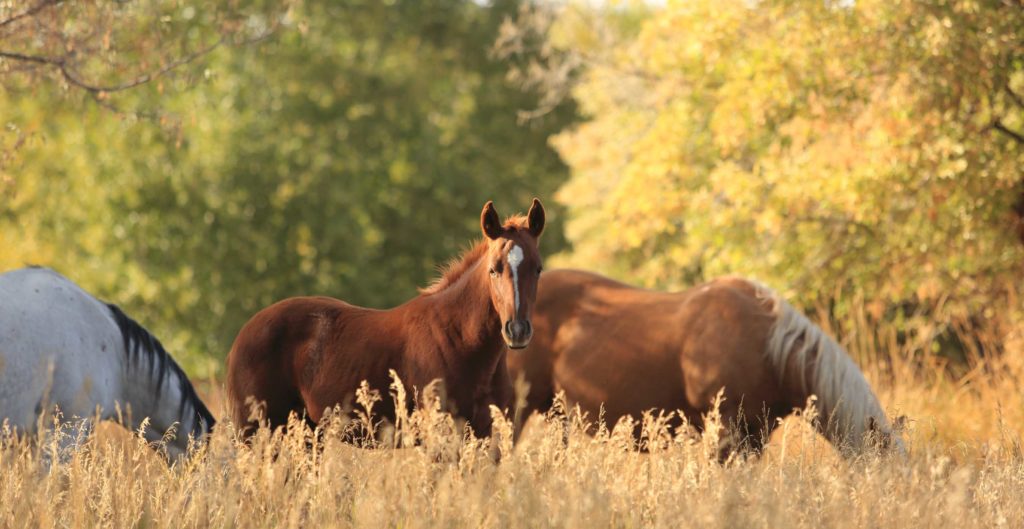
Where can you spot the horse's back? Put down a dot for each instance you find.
(57, 347)
(586, 328)
(279, 352)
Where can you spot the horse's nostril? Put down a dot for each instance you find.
(508, 328)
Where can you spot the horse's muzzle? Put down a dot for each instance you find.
(518, 333)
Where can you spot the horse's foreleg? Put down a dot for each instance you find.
(745, 430)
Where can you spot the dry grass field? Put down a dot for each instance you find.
(964, 469)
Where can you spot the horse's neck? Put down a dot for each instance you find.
(472, 328)
(156, 397)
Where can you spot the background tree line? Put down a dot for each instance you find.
(861, 156)
(346, 154)
(197, 164)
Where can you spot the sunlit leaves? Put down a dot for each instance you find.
(856, 148)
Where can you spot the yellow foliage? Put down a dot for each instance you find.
(837, 148)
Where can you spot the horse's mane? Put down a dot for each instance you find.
(139, 341)
(457, 267)
(845, 399)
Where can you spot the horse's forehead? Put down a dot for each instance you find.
(515, 255)
(518, 248)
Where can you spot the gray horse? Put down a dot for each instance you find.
(63, 350)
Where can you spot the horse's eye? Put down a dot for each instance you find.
(493, 272)
(540, 269)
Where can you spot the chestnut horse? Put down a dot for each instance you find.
(631, 350)
(307, 354)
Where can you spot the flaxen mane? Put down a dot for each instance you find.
(457, 267)
(847, 405)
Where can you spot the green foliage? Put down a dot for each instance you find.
(867, 150)
(844, 152)
(348, 156)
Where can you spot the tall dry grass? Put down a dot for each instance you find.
(964, 469)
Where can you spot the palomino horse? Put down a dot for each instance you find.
(632, 350)
(62, 349)
(308, 354)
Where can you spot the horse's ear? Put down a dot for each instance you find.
(535, 218)
(490, 224)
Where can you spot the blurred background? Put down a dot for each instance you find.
(194, 164)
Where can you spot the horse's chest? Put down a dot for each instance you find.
(468, 386)
(475, 389)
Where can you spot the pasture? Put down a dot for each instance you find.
(965, 468)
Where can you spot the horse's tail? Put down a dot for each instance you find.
(802, 353)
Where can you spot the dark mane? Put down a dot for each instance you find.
(457, 267)
(137, 342)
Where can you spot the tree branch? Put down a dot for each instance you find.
(74, 79)
(67, 71)
(998, 125)
(30, 11)
(67, 63)
(15, 56)
(1014, 96)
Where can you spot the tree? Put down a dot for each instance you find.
(839, 150)
(101, 48)
(347, 156)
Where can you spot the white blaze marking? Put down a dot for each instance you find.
(515, 256)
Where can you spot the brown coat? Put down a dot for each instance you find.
(630, 350)
(307, 354)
